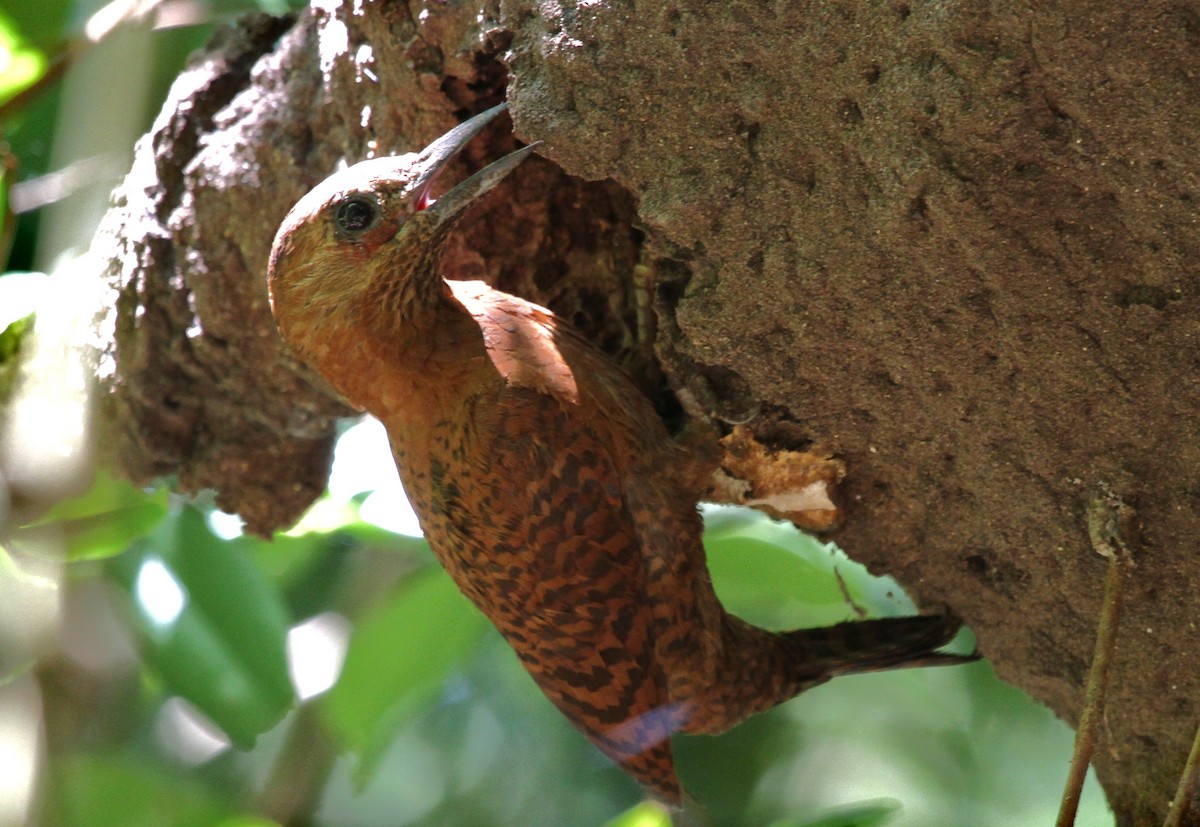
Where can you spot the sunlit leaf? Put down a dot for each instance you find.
(646, 814)
(12, 336)
(107, 519)
(18, 300)
(106, 494)
(399, 658)
(20, 63)
(329, 516)
(212, 626)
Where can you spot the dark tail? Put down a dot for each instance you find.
(762, 669)
(871, 646)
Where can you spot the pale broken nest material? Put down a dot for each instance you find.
(798, 486)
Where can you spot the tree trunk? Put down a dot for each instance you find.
(953, 245)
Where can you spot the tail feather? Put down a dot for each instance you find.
(872, 645)
(763, 669)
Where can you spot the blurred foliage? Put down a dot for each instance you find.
(378, 690)
(211, 625)
(12, 336)
(104, 521)
(431, 720)
(21, 64)
(646, 814)
(452, 732)
(119, 790)
(35, 35)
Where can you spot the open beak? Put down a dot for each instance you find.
(434, 158)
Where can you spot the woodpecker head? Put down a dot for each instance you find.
(373, 231)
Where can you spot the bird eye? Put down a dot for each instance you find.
(355, 214)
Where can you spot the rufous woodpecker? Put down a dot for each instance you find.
(544, 480)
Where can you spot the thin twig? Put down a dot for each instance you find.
(1188, 781)
(1106, 515)
(301, 773)
(859, 611)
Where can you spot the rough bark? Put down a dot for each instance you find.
(953, 244)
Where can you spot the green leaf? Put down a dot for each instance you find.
(328, 517)
(646, 814)
(39, 21)
(875, 813)
(107, 519)
(399, 657)
(20, 64)
(754, 578)
(771, 574)
(749, 555)
(19, 294)
(212, 626)
(308, 567)
(12, 336)
(115, 791)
